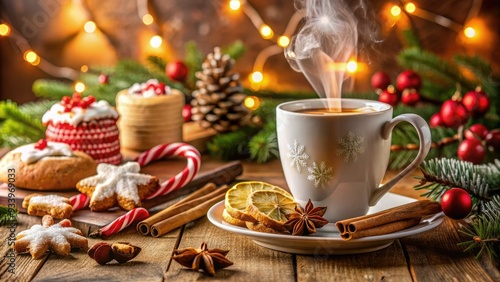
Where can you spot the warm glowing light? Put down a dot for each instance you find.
(84, 68)
(395, 11)
(283, 41)
(266, 31)
(469, 32)
(256, 77)
(30, 56)
(410, 7)
(79, 87)
(147, 19)
(235, 5)
(155, 41)
(351, 66)
(252, 103)
(89, 27)
(4, 30)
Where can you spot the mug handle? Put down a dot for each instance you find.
(424, 136)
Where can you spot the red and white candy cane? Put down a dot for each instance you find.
(79, 201)
(167, 150)
(122, 222)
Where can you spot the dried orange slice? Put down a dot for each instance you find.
(236, 198)
(231, 220)
(270, 208)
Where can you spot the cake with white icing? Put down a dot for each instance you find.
(85, 125)
(150, 114)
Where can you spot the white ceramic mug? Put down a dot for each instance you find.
(339, 160)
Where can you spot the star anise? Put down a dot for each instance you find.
(305, 222)
(202, 258)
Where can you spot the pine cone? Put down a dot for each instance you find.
(218, 100)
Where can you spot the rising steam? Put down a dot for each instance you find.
(332, 34)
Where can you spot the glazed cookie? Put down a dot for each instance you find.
(46, 166)
(53, 205)
(60, 238)
(117, 185)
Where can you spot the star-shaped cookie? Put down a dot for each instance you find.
(53, 205)
(117, 185)
(60, 238)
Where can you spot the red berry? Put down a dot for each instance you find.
(68, 108)
(476, 131)
(471, 150)
(408, 79)
(388, 97)
(103, 78)
(380, 80)
(65, 100)
(436, 120)
(456, 203)
(41, 144)
(410, 97)
(476, 102)
(186, 112)
(76, 97)
(160, 88)
(453, 113)
(493, 140)
(176, 70)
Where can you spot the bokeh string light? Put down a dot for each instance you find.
(280, 41)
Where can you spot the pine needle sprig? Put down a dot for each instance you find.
(17, 127)
(264, 145)
(7, 215)
(484, 231)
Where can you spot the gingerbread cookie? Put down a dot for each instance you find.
(53, 205)
(60, 238)
(117, 185)
(46, 166)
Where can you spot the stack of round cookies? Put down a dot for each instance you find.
(150, 114)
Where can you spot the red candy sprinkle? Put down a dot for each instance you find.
(41, 144)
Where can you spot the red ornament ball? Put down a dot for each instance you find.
(476, 102)
(436, 120)
(410, 97)
(186, 112)
(103, 78)
(456, 203)
(453, 113)
(476, 131)
(388, 97)
(380, 80)
(493, 140)
(471, 150)
(408, 79)
(176, 70)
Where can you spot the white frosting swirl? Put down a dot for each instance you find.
(30, 154)
(96, 110)
(140, 89)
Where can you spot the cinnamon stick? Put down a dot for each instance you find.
(204, 193)
(382, 229)
(412, 210)
(160, 228)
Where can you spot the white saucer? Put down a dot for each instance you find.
(327, 240)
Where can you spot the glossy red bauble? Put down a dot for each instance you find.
(380, 80)
(436, 120)
(186, 112)
(176, 70)
(476, 102)
(453, 113)
(476, 131)
(410, 97)
(493, 140)
(456, 203)
(388, 97)
(471, 150)
(408, 79)
(103, 78)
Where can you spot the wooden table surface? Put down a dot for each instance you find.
(429, 256)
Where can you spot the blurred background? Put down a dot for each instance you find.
(74, 33)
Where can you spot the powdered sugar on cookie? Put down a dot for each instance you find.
(30, 154)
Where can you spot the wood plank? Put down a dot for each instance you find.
(251, 262)
(24, 266)
(438, 248)
(385, 265)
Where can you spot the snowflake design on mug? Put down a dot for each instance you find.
(320, 174)
(297, 155)
(350, 147)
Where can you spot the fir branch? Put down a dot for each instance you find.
(157, 63)
(411, 39)
(51, 89)
(7, 215)
(264, 145)
(193, 60)
(235, 50)
(17, 127)
(232, 145)
(37, 109)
